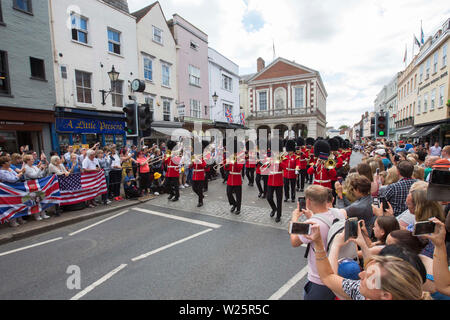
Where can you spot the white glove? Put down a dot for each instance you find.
(296, 172)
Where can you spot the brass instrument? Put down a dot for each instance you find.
(228, 160)
(330, 163)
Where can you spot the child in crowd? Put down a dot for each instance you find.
(129, 185)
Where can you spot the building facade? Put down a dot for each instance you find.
(224, 84)
(391, 106)
(89, 38)
(288, 97)
(432, 115)
(192, 73)
(157, 60)
(27, 89)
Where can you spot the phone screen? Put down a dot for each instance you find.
(351, 228)
(299, 228)
(376, 202)
(423, 228)
(385, 203)
(302, 203)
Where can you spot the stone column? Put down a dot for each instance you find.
(312, 128)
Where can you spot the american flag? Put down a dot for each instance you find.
(228, 115)
(79, 187)
(29, 197)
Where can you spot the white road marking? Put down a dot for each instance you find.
(282, 291)
(97, 223)
(97, 283)
(30, 246)
(145, 255)
(170, 216)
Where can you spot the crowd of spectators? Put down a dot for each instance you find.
(388, 195)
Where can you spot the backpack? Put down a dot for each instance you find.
(336, 226)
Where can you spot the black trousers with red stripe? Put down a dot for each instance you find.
(279, 194)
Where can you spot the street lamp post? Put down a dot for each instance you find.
(113, 76)
(215, 97)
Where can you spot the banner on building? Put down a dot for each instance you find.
(90, 126)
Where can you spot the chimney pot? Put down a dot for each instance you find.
(260, 64)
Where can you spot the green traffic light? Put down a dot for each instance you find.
(381, 133)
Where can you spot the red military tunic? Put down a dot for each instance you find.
(276, 173)
(172, 167)
(264, 170)
(250, 160)
(322, 176)
(198, 167)
(304, 158)
(234, 174)
(291, 163)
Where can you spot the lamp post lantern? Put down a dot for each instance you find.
(113, 76)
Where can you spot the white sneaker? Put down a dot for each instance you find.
(37, 217)
(186, 185)
(156, 193)
(44, 216)
(181, 187)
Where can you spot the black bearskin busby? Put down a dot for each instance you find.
(334, 144)
(171, 144)
(310, 141)
(322, 149)
(300, 142)
(290, 146)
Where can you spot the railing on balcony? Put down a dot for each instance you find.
(404, 123)
(281, 112)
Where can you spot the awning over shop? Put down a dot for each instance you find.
(419, 132)
(407, 132)
(180, 132)
(431, 129)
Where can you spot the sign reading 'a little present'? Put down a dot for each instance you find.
(90, 126)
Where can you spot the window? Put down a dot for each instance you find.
(433, 98)
(79, 28)
(150, 101)
(83, 84)
(444, 55)
(165, 75)
(148, 69)
(194, 45)
(114, 41)
(64, 72)
(421, 73)
(196, 111)
(435, 62)
(227, 83)
(1, 15)
(428, 68)
(37, 68)
(263, 101)
(419, 103)
(441, 96)
(23, 5)
(4, 73)
(157, 35)
(166, 109)
(407, 88)
(117, 93)
(194, 76)
(299, 99)
(425, 102)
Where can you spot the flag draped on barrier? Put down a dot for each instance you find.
(29, 197)
(79, 187)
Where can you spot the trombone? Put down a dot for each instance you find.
(231, 159)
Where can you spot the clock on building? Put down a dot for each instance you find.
(137, 85)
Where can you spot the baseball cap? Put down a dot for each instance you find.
(349, 269)
(380, 152)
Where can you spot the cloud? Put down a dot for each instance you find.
(356, 45)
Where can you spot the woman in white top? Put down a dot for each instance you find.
(56, 167)
(34, 172)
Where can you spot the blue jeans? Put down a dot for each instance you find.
(189, 173)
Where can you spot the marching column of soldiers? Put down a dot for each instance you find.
(287, 168)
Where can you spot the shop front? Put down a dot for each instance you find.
(81, 128)
(26, 127)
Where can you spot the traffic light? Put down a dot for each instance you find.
(381, 125)
(130, 119)
(145, 116)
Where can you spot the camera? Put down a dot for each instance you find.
(423, 227)
(299, 228)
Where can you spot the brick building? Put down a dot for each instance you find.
(285, 96)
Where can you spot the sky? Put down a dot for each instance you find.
(358, 46)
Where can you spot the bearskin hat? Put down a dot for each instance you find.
(321, 149)
(334, 144)
(204, 144)
(300, 142)
(310, 141)
(290, 146)
(171, 144)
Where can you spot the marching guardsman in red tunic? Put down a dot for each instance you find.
(250, 162)
(275, 182)
(291, 165)
(223, 172)
(208, 160)
(172, 163)
(198, 166)
(322, 175)
(309, 146)
(234, 182)
(262, 173)
(303, 156)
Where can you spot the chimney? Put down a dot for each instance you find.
(260, 64)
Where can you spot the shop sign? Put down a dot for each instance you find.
(90, 126)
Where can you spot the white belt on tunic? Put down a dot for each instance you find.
(199, 170)
(322, 181)
(235, 173)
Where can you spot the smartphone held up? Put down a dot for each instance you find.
(301, 203)
(423, 227)
(351, 228)
(299, 228)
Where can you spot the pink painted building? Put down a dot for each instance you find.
(192, 71)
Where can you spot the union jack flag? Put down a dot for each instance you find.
(228, 115)
(242, 118)
(29, 197)
(79, 187)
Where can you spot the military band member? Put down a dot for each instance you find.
(172, 163)
(291, 165)
(275, 182)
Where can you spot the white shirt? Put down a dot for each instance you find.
(115, 161)
(89, 164)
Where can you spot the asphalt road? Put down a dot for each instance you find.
(157, 250)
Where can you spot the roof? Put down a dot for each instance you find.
(141, 13)
(245, 77)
